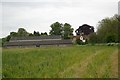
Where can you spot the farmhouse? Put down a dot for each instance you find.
(83, 32)
(37, 41)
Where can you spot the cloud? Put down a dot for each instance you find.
(40, 15)
(119, 8)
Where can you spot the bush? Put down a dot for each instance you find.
(78, 41)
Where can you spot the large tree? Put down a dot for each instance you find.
(22, 32)
(36, 33)
(108, 30)
(67, 31)
(56, 29)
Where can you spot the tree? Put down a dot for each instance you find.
(92, 38)
(110, 38)
(45, 33)
(30, 34)
(67, 31)
(56, 29)
(108, 30)
(36, 33)
(8, 38)
(13, 34)
(3, 41)
(22, 32)
(118, 29)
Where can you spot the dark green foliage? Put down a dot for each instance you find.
(67, 31)
(110, 38)
(45, 33)
(78, 41)
(8, 38)
(22, 32)
(36, 33)
(13, 34)
(93, 38)
(107, 31)
(31, 34)
(59, 29)
(56, 29)
(3, 41)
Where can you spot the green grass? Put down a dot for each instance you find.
(0, 42)
(0, 58)
(0, 62)
(58, 62)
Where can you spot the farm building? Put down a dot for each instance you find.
(83, 32)
(37, 41)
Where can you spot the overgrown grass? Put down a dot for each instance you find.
(100, 65)
(54, 62)
(0, 58)
(0, 62)
(0, 42)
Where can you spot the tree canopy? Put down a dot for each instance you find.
(108, 30)
(67, 31)
(56, 28)
(36, 33)
(22, 32)
(44, 34)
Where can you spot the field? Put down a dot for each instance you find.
(61, 62)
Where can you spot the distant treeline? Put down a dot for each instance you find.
(107, 31)
(65, 30)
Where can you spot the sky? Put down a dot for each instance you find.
(38, 15)
(119, 8)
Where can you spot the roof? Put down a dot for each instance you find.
(34, 43)
(37, 41)
(36, 37)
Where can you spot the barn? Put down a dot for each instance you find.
(37, 41)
